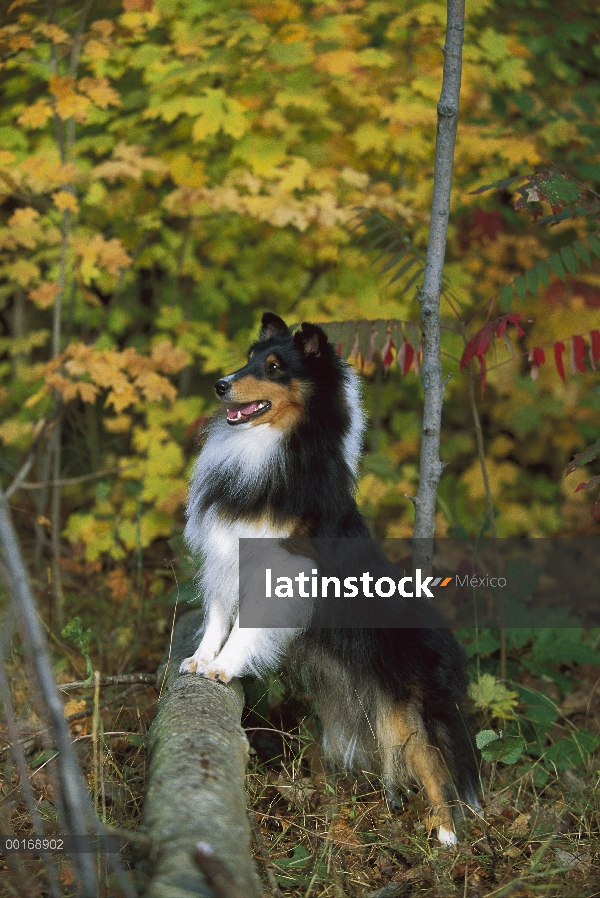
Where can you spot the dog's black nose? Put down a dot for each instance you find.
(221, 386)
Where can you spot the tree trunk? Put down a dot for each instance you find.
(195, 794)
(430, 469)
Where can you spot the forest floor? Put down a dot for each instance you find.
(326, 835)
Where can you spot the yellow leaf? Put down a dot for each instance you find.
(119, 424)
(24, 227)
(13, 431)
(66, 388)
(68, 103)
(37, 397)
(64, 200)
(369, 137)
(6, 157)
(35, 115)
(88, 392)
(338, 62)
(105, 27)
(169, 358)
(125, 396)
(17, 3)
(187, 172)
(129, 162)
(96, 49)
(44, 295)
(21, 42)
(220, 112)
(22, 272)
(54, 33)
(155, 387)
(100, 92)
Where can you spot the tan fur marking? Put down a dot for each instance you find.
(403, 743)
(287, 402)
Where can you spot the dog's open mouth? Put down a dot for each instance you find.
(242, 413)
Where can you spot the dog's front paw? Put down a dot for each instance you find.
(218, 674)
(190, 665)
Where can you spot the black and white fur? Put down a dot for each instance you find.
(280, 460)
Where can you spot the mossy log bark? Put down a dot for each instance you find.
(197, 753)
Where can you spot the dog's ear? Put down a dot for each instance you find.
(272, 326)
(311, 339)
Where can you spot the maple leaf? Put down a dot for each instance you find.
(36, 115)
(96, 49)
(44, 295)
(21, 42)
(129, 162)
(67, 102)
(54, 33)
(25, 228)
(99, 91)
(338, 62)
(220, 112)
(64, 200)
(155, 387)
(169, 358)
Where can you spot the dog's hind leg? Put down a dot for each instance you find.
(404, 747)
(216, 629)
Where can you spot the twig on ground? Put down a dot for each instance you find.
(265, 856)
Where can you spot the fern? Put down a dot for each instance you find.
(374, 230)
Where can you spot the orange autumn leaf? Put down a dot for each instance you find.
(44, 295)
(168, 358)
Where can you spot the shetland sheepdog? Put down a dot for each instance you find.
(279, 461)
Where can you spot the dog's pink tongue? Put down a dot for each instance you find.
(245, 411)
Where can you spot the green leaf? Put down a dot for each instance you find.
(520, 286)
(531, 280)
(505, 297)
(570, 259)
(484, 737)
(507, 749)
(557, 266)
(583, 252)
(491, 695)
(542, 270)
(572, 751)
(403, 270)
(594, 244)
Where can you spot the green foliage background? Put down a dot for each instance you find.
(168, 170)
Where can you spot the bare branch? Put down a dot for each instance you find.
(73, 481)
(119, 680)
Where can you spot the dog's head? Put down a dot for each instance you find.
(281, 375)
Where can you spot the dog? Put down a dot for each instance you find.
(279, 462)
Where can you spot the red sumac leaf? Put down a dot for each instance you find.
(594, 348)
(559, 348)
(579, 353)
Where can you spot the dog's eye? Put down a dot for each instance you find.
(272, 366)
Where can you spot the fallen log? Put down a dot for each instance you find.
(194, 810)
